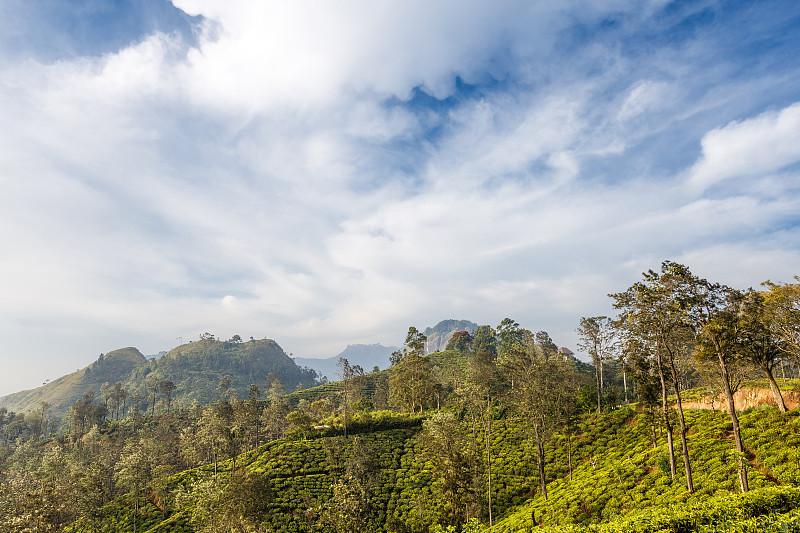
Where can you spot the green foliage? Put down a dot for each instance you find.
(194, 370)
(619, 472)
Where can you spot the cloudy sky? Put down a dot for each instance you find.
(324, 173)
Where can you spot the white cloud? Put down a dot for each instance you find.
(644, 97)
(760, 145)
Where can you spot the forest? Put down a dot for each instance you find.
(501, 431)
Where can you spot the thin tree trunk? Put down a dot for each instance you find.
(489, 453)
(684, 447)
(602, 384)
(776, 391)
(597, 374)
(653, 427)
(625, 381)
(540, 460)
(737, 436)
(569, 454)
(665, 415)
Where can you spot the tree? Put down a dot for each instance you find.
(238, 505)
(410, 381)
(273, 417)
(153, 388)
(349, 509)
(133, 473)
(511, 348)
(273, 388)
(166, 387)
(118, 396)
(546, 344)
(759, 343)
(253, 413)
(597, 337)
(461, 341)
(782, 301)
(653, 317)
(536, 398)
(351, 377)
(484, 340)
(478, 394)
(85, 414)
(214, 433)
(714, 315)
(301, 420)
(224, 388)
(445, 442)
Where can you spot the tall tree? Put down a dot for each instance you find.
(478, 394)
(484, 340)
(715, 316)
(166, 386)
(351, 506)
(541, 383)
(351, 377)
(511, 348)
(598, 337)
(411, 381)
(783, 307)
(653, 315)
(445, 440)
(153, 388)
(759, 343)
(214, 433)
(133, 473)
(253, 413)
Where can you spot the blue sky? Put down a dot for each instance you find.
(330, 173)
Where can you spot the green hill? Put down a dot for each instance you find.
(61, 393)
(195, 368)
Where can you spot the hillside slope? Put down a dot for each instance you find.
(195, 368)
(117, 365)
(617, 474)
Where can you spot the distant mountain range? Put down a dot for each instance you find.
(367, 356)
(195, 368)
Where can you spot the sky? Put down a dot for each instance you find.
(327, 173)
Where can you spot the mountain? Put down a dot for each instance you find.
(440, 334)
(365, 355)
(61, 393)
(195, 368)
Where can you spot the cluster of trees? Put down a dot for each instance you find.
(676, 330)
(34, 425)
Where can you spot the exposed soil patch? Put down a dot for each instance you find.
(745, 399)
